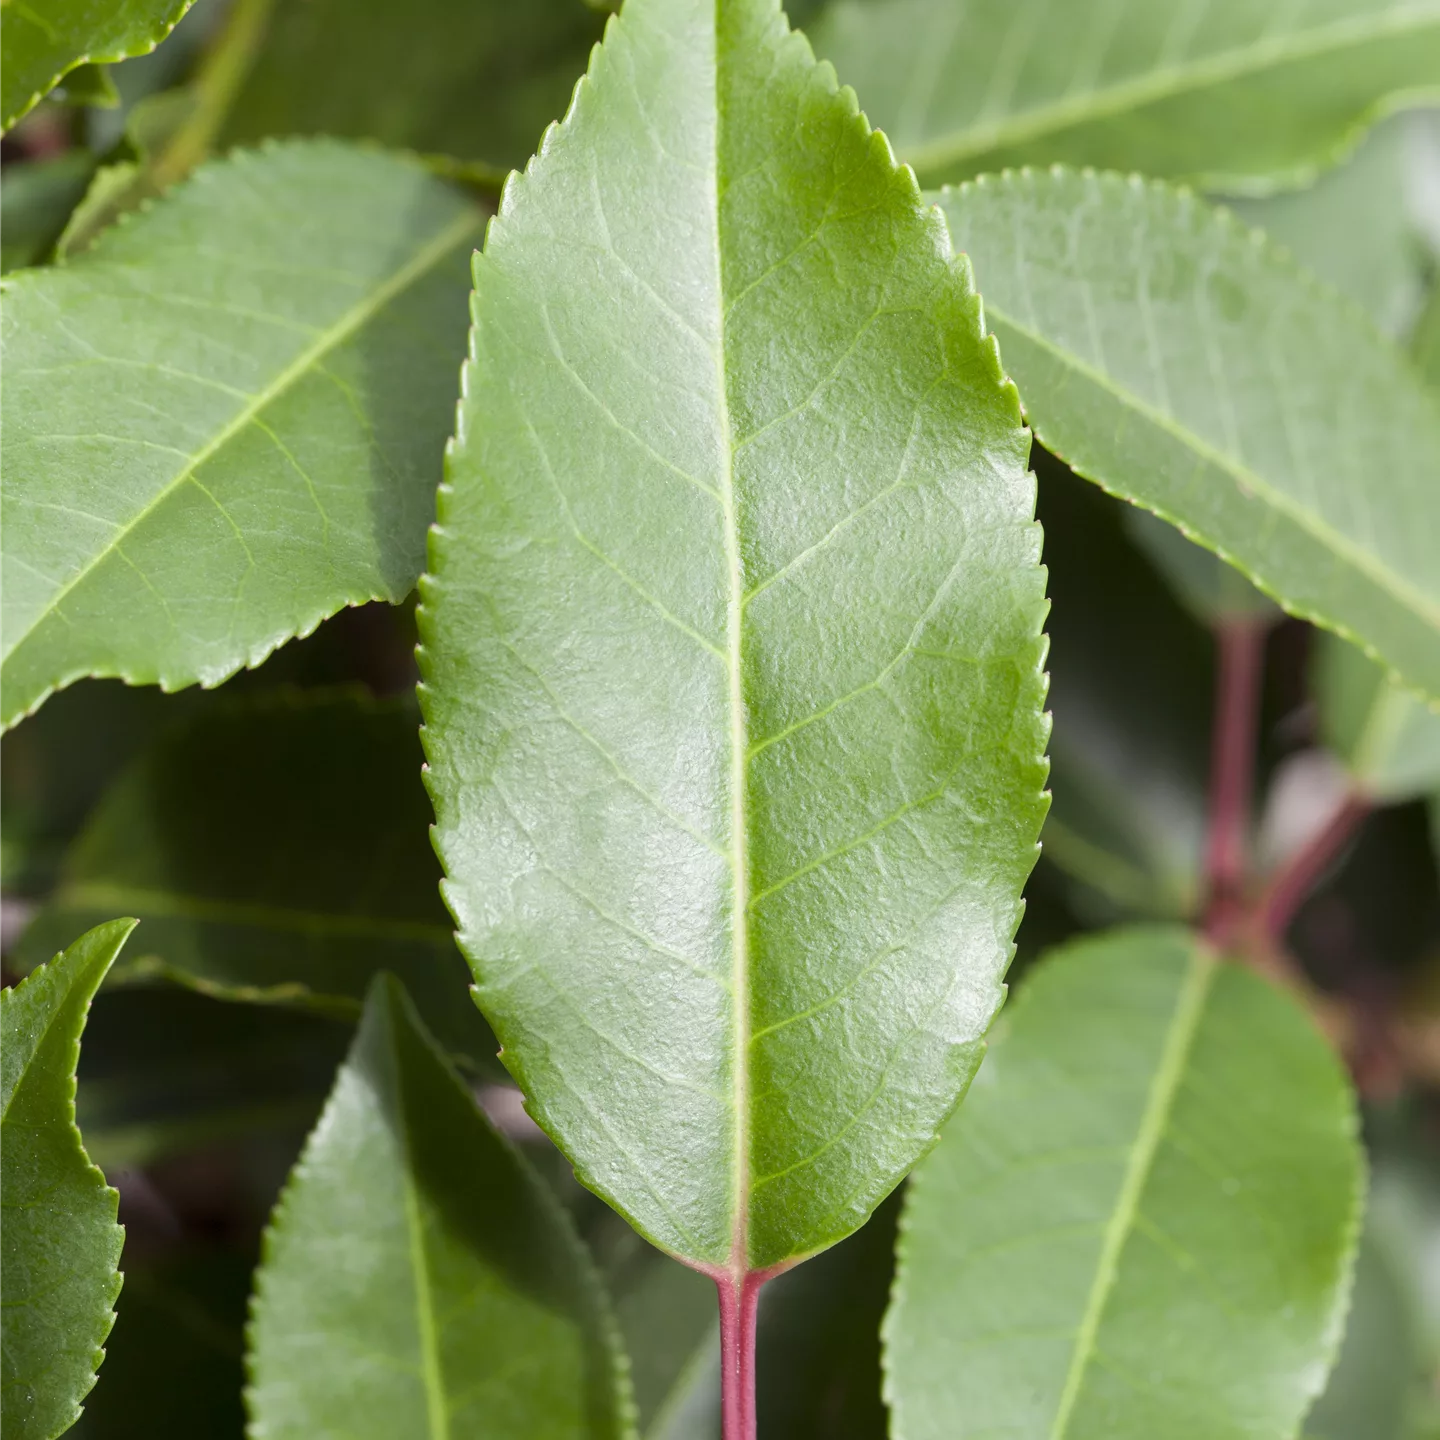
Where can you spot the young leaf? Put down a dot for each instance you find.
(418, 1279)
(232, 433)
(1234, 95)
(59, 1239)
(1177, 359)
(474, 79)
(1387, 739)
(731, 645)
(264, 872)
(40, 43)
(1143, 1221)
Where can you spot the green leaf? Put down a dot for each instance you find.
(1232, 94)
(44, 40)
(1354, 228)
(475, 79)
(1143, 1221)
(89, 85)
(1387, 739)
(59, 1240)
(264, 872)
(418, 1279)
(236, 430)
(1425, 340)
(733, 699)
(36, 199)
(1177, 359)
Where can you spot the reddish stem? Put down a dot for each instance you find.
(739, 1301)
(1241, 644)
(1300, 874)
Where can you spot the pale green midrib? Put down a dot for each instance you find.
(437, 1409)
(103, 896)
(739, 736)
(1179, 1039)
(1156, 85)
(1398, 587)
(424, 260)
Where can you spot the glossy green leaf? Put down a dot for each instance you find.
(1142, 1222)
(1231, 93)
(1388, 740)
(237, 427)
(36, 199)
(733, 700)
(418, 1279)
(59, 1240)
(1180, 361)
(475, 79)
(41, 41)
(265, 872)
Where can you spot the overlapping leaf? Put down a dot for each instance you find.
(1174, 357)
(1143, 1220)
(1231, 93)
(224, 421)
(731, 645)
(39, 43)
(418, 1279)
(277, 851)
(59, 1240)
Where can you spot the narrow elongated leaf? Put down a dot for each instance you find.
(1143, 1221)
(418, 1279)
(1232, 93)
(1174, 357)
(40, 42)
(1387, 739)
(223, 422)
(731, 645)
(475, 79)
(266, 871)
(59, 1240)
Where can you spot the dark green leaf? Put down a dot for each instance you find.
(1177, 359)
(236, 430)
(1388, 740)
(59, 1240)
(418, 1279)
(89, 85)
(1142, 1222)
(277, 851)
(42, 41)
(733, 699)
(36, 199)
(1232, 93)
(475, 79)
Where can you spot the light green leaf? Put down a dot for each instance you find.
(59, 1240)
(1233, 94)
(731, 645)
(1143, 1221)
(224, 421)
(265, 872)
(1177, 359)
(42, 40)
(1387, 739)
(474, 79)
(418, 1279)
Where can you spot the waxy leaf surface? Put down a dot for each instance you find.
(731, 645)
(224, 422)
(1387, 738)
(1233, 93)
(276, 850)
(1143, 1220)
(1175, 357)
(59, 1243)
(478, 80)
(418, 1279)
(40, 42)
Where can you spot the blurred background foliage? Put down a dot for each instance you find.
(271, 834)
